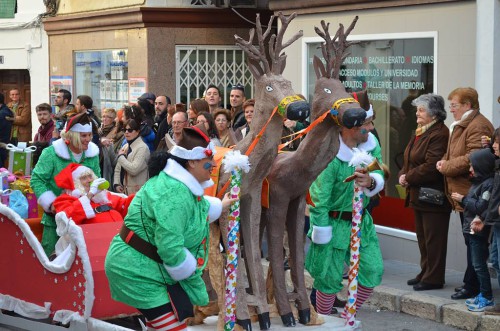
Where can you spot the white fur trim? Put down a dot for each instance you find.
(78, 127)
(379, 184)
(321, 234)
(78, 246)
(79, 171)
(46, 199)
(196, 153)
(87, 208)
(369, 112)
(234, 160)
(183, 270)
(175, 170)
(345, 153)
(215, 208)
(24, 308)
(62, 150)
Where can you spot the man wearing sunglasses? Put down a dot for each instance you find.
(237, 98)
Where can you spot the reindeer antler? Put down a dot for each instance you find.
(342, 45)
(258, 55)
(278, 59)
(327, 49)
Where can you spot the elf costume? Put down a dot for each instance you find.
(331, 227)
(52, 161)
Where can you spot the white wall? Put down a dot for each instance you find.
(27, 49)
(455, 25)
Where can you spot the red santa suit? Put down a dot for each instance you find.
(103, 207)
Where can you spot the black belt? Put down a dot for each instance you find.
(343, 215)
(102, 209)
(139, 244)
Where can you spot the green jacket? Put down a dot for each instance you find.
(54, 159)
(170, 212)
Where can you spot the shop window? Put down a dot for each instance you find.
(103, 75)
(8, 8)
(395, 71)
(197, 67)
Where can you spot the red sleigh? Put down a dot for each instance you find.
(72, 289)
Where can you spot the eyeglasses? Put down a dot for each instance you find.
(129, 130)
(178, 122)
(201, 121)
(221, 120)
(455, 105)
(238, 87)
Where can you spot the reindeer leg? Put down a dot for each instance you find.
(295, 228)
(275, 234)
(250, 208)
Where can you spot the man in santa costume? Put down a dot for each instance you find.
(85, 200)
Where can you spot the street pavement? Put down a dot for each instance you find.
(395, 306)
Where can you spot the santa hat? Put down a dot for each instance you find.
(194, 144)
(79, 123)
(67, 177)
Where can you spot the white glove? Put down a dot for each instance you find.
(94, 187)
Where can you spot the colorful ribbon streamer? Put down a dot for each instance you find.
(235, 163)
(352, 288)
(360, 159)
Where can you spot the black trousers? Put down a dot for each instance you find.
(471, 282)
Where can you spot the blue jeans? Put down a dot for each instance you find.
(495, 250)
(479, 254)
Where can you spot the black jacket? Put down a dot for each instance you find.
(5, 125)
(476, 202)
(492, 216)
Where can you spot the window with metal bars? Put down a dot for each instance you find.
(199, 66)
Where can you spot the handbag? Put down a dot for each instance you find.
(432, 196)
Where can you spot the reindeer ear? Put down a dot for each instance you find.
(319, 67)
(255, 68)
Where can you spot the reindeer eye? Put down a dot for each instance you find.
(269, 88)
(327, 90)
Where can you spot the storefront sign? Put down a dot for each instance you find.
(136, 87)
(1, 59)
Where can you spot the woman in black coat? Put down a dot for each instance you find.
(426, 147)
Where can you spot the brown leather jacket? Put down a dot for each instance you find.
(465, 138)
(420, 160)
(22, 122)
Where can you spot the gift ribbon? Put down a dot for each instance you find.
(15, 148)
(6, 192)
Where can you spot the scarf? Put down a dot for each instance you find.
(105, 130)
(464, 116)
(422, 128)
(42, 130)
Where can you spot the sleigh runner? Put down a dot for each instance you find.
(70, 290)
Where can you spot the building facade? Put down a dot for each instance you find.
(116, 50)
(406, 48)
(24, 52)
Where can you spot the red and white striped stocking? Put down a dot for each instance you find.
(167, 322)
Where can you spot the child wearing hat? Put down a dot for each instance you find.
(156, 262)
(74, 146)
(85, 199)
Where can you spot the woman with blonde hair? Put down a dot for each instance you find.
(74, 146)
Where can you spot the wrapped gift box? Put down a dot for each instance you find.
(4, 197)
(4, 177)
(20, 158)
(32, 203)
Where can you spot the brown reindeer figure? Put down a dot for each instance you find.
(292, 173)
(266, 63)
